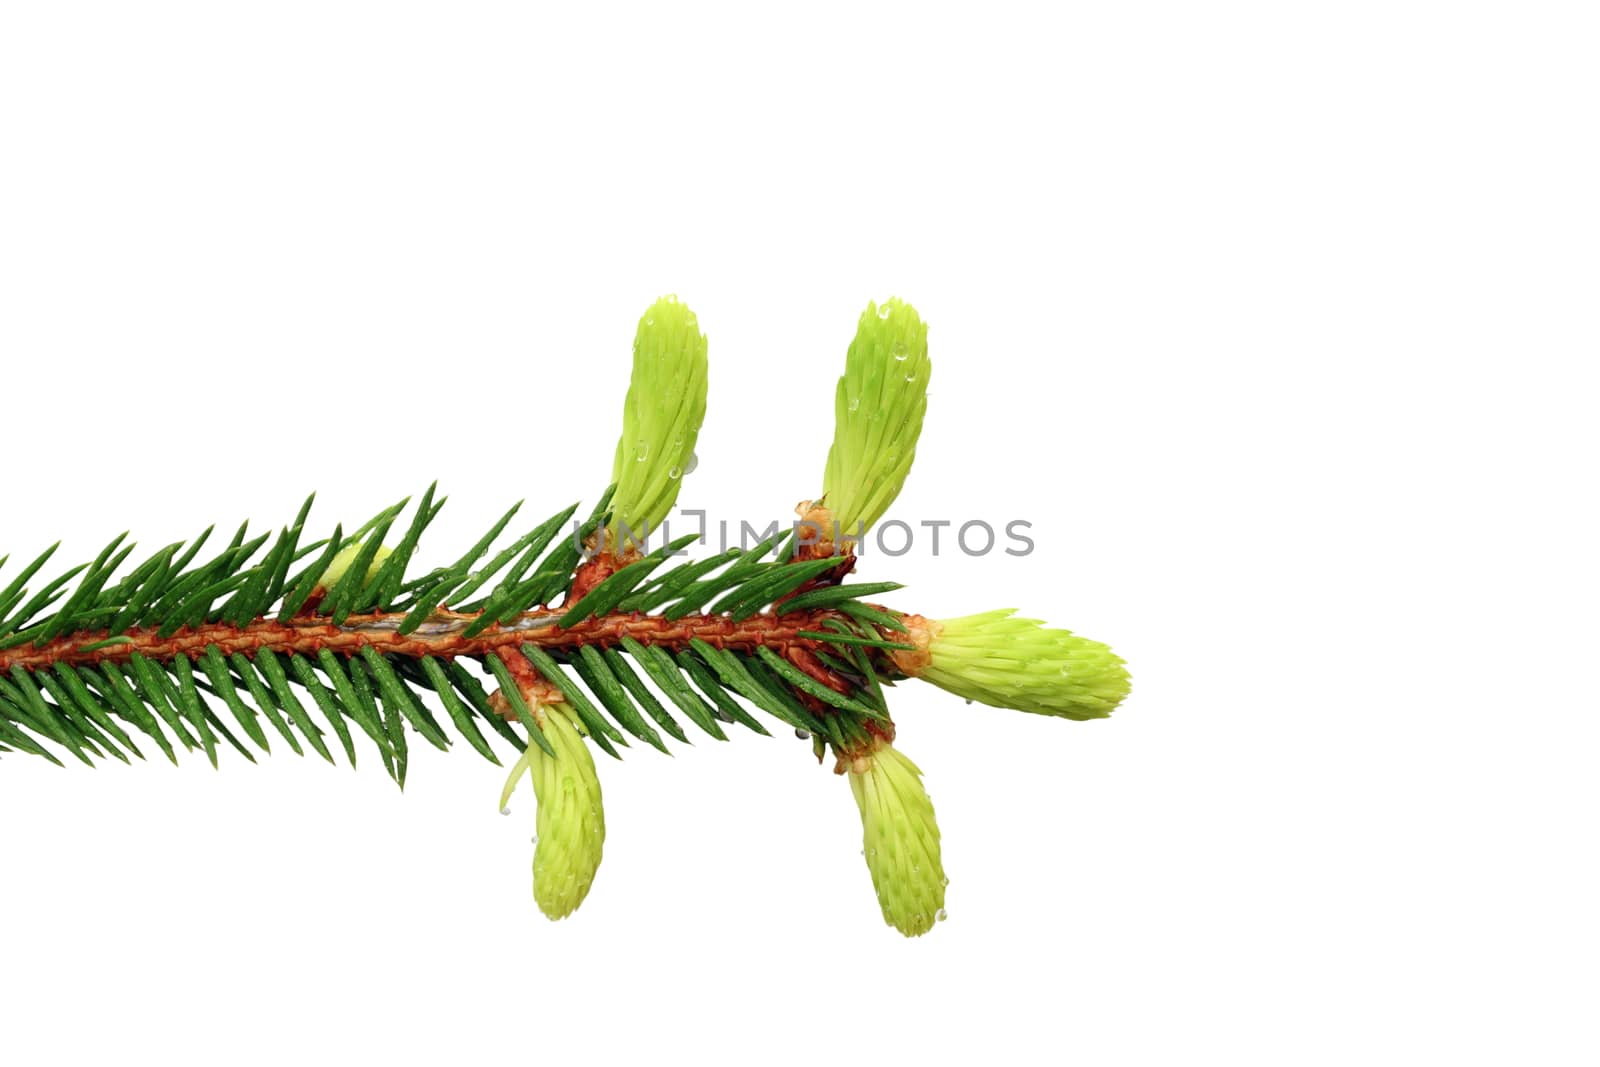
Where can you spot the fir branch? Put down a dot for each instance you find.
(331, 646)
(161, 649)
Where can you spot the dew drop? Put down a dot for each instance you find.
(884, 312)
(941, 915)
(534, 839)
(674, 473)
(855, 403)
(505, 811)
(900, 352)
(804, 735)
(694, 461)
(643, 451)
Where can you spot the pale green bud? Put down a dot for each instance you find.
(878, 409)
(571, 820)
(900, 839)
(660, 420)
(346, 557)
(1007, 662)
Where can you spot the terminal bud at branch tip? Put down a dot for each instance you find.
(1008, 662)
(900, 838)
(661, 418)
(878, 410)
(571, 817)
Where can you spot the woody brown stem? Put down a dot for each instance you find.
(441, 636)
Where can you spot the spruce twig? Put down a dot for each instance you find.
(565, 635)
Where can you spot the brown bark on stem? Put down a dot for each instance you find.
(440, 636)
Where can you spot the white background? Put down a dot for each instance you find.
(1273, 319)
